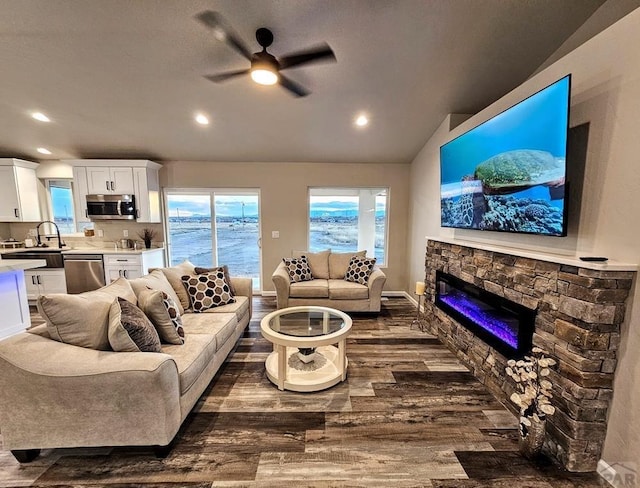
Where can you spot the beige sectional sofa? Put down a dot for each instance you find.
(328, 288)
(54, 394)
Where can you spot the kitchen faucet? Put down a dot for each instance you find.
(39, 241)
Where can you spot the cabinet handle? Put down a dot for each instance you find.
(113, 187)
(120, 273)
(15, 212)
(124, 272)
(33, 279)
(107, 183)
(86, 213)
(122, 260)
(38, 279)
(137, 213)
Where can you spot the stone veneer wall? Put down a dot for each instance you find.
(579, 313)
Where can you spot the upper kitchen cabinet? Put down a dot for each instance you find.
(137, 177)
(18, 191)
(103, 180)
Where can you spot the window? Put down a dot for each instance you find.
(62, 205)
(349, 219)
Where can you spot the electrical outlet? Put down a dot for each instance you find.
(100, 233)
(33, 232)
(125, 233)
(275, 234)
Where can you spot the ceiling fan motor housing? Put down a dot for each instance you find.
(264, 37)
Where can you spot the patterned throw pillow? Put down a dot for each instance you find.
(298, 269)
(130, 329)
(163, 312)
(208, 290)
(227, 276)
(359, 269)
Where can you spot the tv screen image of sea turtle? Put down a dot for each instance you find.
(508, 174)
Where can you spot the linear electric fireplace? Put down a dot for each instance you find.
(501, 323)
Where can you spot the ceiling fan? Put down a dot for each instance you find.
(265, 68)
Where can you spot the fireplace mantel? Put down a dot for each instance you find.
(541, 256)
(580, 307)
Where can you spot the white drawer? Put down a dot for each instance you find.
(122, 260)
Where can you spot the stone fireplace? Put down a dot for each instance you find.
(578, 309)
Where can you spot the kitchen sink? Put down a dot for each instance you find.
(52, 256)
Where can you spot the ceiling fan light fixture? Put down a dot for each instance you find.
(264, 76)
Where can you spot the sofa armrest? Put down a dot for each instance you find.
(58, 395)
(244, 288)
(280, 278)
(377, 278)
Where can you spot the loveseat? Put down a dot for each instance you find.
(54, 394)
(328, 286)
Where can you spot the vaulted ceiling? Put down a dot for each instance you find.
(123, 78)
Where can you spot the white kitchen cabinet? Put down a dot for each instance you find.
(147, 192)
(80, 192)
(18, 191)
(104, 180)
(127, 176)
(131, 265)
(42, 281)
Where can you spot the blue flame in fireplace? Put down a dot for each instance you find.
(493, 321)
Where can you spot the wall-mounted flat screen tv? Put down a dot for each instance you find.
(508, 173)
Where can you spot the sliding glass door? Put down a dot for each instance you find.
(214, 228)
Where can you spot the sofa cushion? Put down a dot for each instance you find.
(339, 261)
(309, 289)
(318, 262)
(192, 358)
(221, 325)
(240, 307)
(207, 290)
(83, 319)
(130, 330)
(297, 269)
(174, 276)
(225, 270)
(359, 269)
(156, 280)
(163, 311)
(346, 290)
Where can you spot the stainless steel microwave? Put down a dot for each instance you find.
(111, 207)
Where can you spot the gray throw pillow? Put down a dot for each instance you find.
(163, 312)
(130, 329)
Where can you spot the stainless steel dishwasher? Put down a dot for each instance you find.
(84, 272)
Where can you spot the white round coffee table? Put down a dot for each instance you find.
(304, 357)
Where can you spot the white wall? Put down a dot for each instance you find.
(605, 93)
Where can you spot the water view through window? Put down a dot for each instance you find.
(232, 240)
(62, 205)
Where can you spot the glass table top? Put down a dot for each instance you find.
(312, 323)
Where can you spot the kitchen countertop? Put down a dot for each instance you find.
(21, 264)
(86, 250)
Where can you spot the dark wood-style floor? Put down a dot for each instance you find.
(408, 415)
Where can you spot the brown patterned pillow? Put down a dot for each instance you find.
(298, 269)
(227, 276)
(163, 312)
(130, 329)
(359, 269)
(207, 290)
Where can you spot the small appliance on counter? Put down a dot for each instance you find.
(125, 244)
(11, 243)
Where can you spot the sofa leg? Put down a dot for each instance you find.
(162, 452)
(25, 455)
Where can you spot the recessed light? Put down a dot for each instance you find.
(362, 120)
(202, 119)
(40, 116)
(44, 150)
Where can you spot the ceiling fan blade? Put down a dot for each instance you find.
(223, 31)
(225, 76)
(292, 86)
(311, 55)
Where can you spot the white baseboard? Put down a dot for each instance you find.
(620, 475)
(268, 293)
